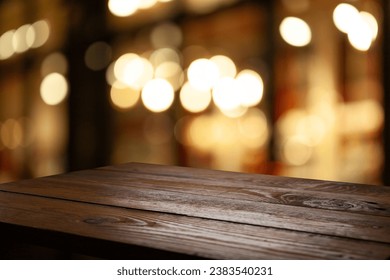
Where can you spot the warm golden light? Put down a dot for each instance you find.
(345, 17)
(225, 65)
(295, 31)
(194, 100)
(11, 134)
(6, 45)
(166, 34)
(157, 95)
(297, 151)
(172, 72)
(133, 70)
(147, 4)
(253, 129)
(19, 40)
(123, 8)
(362, 117)
(164, 55)
(225, 94)
(360, 35)
(38, 34)
(371, 22)
(54, 62)
(54, 89)
(203, 73)
(123, 97)
(250, 86)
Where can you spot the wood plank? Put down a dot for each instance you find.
(249, 206)
(229, 178)
(182, 234)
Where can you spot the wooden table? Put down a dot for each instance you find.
(150, 211)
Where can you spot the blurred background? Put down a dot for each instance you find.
(290, 88)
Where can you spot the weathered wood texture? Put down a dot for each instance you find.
(206, 213)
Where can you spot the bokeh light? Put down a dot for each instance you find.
(19, 39)
(38, 33)
(98, 55)
(157, 95)
(6, 45)
(297, 151)
(165, 35)
(164, 55)
(253, 129)
(203, 73)
(11, 134)
(54, 62)
(250, 86)
(133, 70)
(172, 72)
(194, 100)
(54, 89)
(295, 31)
(345, 17)
(123, 8)
(371, 21)
(225, 94)
(123, 97)
(225, 65)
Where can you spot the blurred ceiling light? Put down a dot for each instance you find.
(98, 55)
(166, 34)
(124, 97)
(54, 62)
(297, 151)
(364, 116)
(295, 31)
(345, 17)
(172, 72)
(163, 55)
(363, 32)
(371, 22)
(199, 133)
(250, 86)
(226, 95)
(133, 70)
(234, 113)
(193, 99)
(225, 65)
(360, 35)
(54, 89)
(38, 33)
(19, 39)
(313, 128)
(157, 95)
(110, 75)
(253, 128)
(203, 73)
(123, 8)
(6, 45)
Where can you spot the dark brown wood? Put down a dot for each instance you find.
(207, 213)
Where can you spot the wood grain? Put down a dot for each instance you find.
(182, 234)
(252, 215)
(316, 211)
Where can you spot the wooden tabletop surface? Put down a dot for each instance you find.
(206, 213)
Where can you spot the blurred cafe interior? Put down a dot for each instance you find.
(287, 87)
